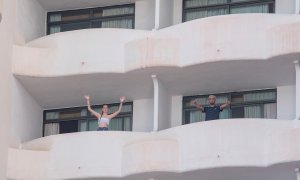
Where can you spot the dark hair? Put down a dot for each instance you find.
(102, 108)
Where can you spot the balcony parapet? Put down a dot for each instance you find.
(207, 145)
(221, 38)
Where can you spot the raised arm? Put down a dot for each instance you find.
(226, 104)
(197, 105)
(122, 99)
(89, 107)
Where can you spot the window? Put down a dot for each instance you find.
(248, 104)
(78, 119)
(195, 9)
(121, 16)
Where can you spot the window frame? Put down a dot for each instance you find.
(88, 117)
(91, 17)
(229, 97)
(229, 5)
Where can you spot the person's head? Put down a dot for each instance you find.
(105, 109)
(211, 99)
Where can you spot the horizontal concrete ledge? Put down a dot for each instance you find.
(194, 147)
(220, 38)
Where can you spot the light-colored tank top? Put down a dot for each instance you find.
(103, 120)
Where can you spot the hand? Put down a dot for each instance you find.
(122, 99)
(227, 102)
(194, 102)
(87, 97)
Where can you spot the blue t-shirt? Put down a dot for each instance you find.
(212, 113)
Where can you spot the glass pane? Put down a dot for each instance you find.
(253, 112)
(83, 126)
(112, 109)
(116, 124)
(199, 3)
(264, 8)
(196, 116)
(205, 13)
(83, 112)
(93, 125)
(127, 124)
(270, 111)
(97, 13)
(76, 15)
(118, 11)
(236, 98)
(54, 29)
(70, 114)
(74, 26)
(225, 114)
(121, 23)
(259, 96)
(127, 108)
(52, 115)
(51, 129)
(237, 112)
(55, 18)
(96, 24)
(238, 0)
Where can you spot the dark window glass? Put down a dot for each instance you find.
(195, 9)
(121, 16)
(78, 119)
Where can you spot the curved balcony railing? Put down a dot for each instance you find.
(221, 38)
(185, 149)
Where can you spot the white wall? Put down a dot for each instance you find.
(142, 115)
(1, 2)
(6, 41)
(27, 116)
(145, 14)
(176, 111)
(165, 13)
(285, 6)
(31, 21)
(27, 119)
(286, 103)
(164, 107)
(177, 11)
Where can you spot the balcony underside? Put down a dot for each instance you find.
(67, 91)
(241, 149)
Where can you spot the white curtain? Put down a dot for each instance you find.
(121, 23)
(253, 112)
(264, 8)
(83, 126)
(54, 29)
(196, 116)
(55, 18)
(270, 111)
(205, 13)
(52, 115)
(116, 124)
(93, 125)
(197, 3)
(118, 11)
(83, 112)
(259, 96)
(51, 129)
(224, 114)
(127, 123)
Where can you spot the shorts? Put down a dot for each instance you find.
(102, 129)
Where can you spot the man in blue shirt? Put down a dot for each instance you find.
(212, 111)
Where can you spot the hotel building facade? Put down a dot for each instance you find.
(161, 55)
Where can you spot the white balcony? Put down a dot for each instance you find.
(222, 149)
(118, 61)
